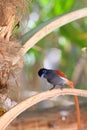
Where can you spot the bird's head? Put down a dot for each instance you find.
(42, 72)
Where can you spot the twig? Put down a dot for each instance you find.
(8, 117)
(67, 18)
(79, 68)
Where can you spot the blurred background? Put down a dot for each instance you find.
(63, 49)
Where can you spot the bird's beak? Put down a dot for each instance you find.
(42, 76)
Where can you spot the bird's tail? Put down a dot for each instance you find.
(71, 85)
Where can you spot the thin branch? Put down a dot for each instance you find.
(78, 69)
(51, 119)
(8, 117)
(67, 18)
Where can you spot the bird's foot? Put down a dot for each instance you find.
(52, 88)
(62, 87)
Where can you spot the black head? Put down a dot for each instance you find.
(42, 72)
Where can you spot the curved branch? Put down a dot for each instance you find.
(67, 18)
(8, 117)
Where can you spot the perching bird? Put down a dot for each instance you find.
(55, 77)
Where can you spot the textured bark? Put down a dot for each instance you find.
(11, 11)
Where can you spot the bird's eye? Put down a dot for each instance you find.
(44, 71)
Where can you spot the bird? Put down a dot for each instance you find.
(55, 77)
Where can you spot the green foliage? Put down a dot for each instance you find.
(62, 6)
(73, 35)
(51, 8)
(73, 32)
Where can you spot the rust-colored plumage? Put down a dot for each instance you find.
(60, 73)
(57, 77)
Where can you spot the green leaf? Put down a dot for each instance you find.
(73, 32)
(62, 6)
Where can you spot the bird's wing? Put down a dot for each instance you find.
(60, 73)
